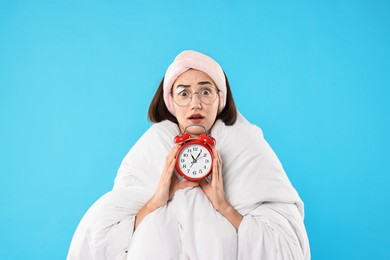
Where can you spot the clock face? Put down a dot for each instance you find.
(194, 161)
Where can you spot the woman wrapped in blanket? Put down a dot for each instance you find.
(248, 210)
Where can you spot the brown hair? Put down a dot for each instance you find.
(158, 111)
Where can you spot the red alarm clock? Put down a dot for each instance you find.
(194, 160)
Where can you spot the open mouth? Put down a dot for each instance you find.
(196, 116)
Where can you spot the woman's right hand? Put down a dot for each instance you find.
(166, 188)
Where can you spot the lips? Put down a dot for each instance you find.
(196, 117)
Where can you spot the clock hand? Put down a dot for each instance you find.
(198, 154)
(197, 159)
(201, 157)
(193, 160)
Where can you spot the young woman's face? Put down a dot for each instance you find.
(197, 111)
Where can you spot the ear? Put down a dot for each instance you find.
(207, 139)
(181, 138)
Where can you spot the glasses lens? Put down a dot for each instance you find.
(208, 95)
(182, 98)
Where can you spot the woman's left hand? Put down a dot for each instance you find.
(216, 194)
(214, 190)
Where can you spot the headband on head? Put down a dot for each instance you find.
(194, 60)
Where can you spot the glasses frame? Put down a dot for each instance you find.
(200, 98)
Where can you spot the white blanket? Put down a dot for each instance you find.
(188, 227)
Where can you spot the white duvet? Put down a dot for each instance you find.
(188, 227)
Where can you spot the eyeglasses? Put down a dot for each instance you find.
(207, 95)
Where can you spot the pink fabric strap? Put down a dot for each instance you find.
(194, 60)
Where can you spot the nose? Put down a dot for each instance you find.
(195, 101)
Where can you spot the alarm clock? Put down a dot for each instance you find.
(194, 160)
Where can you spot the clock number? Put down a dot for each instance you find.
(189, 150)
(194, 172)
(206, 161)
(195, 149)
(182, 160)
(184, 166)
(185, 154)
(200, 171)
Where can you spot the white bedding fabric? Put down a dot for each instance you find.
(188, 227)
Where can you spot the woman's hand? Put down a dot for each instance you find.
(214, 190)
(166, 188)
(168, 182)
(216, 194)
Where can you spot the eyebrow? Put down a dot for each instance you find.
(204, 83)
(199, 83)
(183, 86)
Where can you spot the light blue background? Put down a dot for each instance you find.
(76, 79)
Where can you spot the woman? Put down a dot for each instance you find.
(249, 210)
